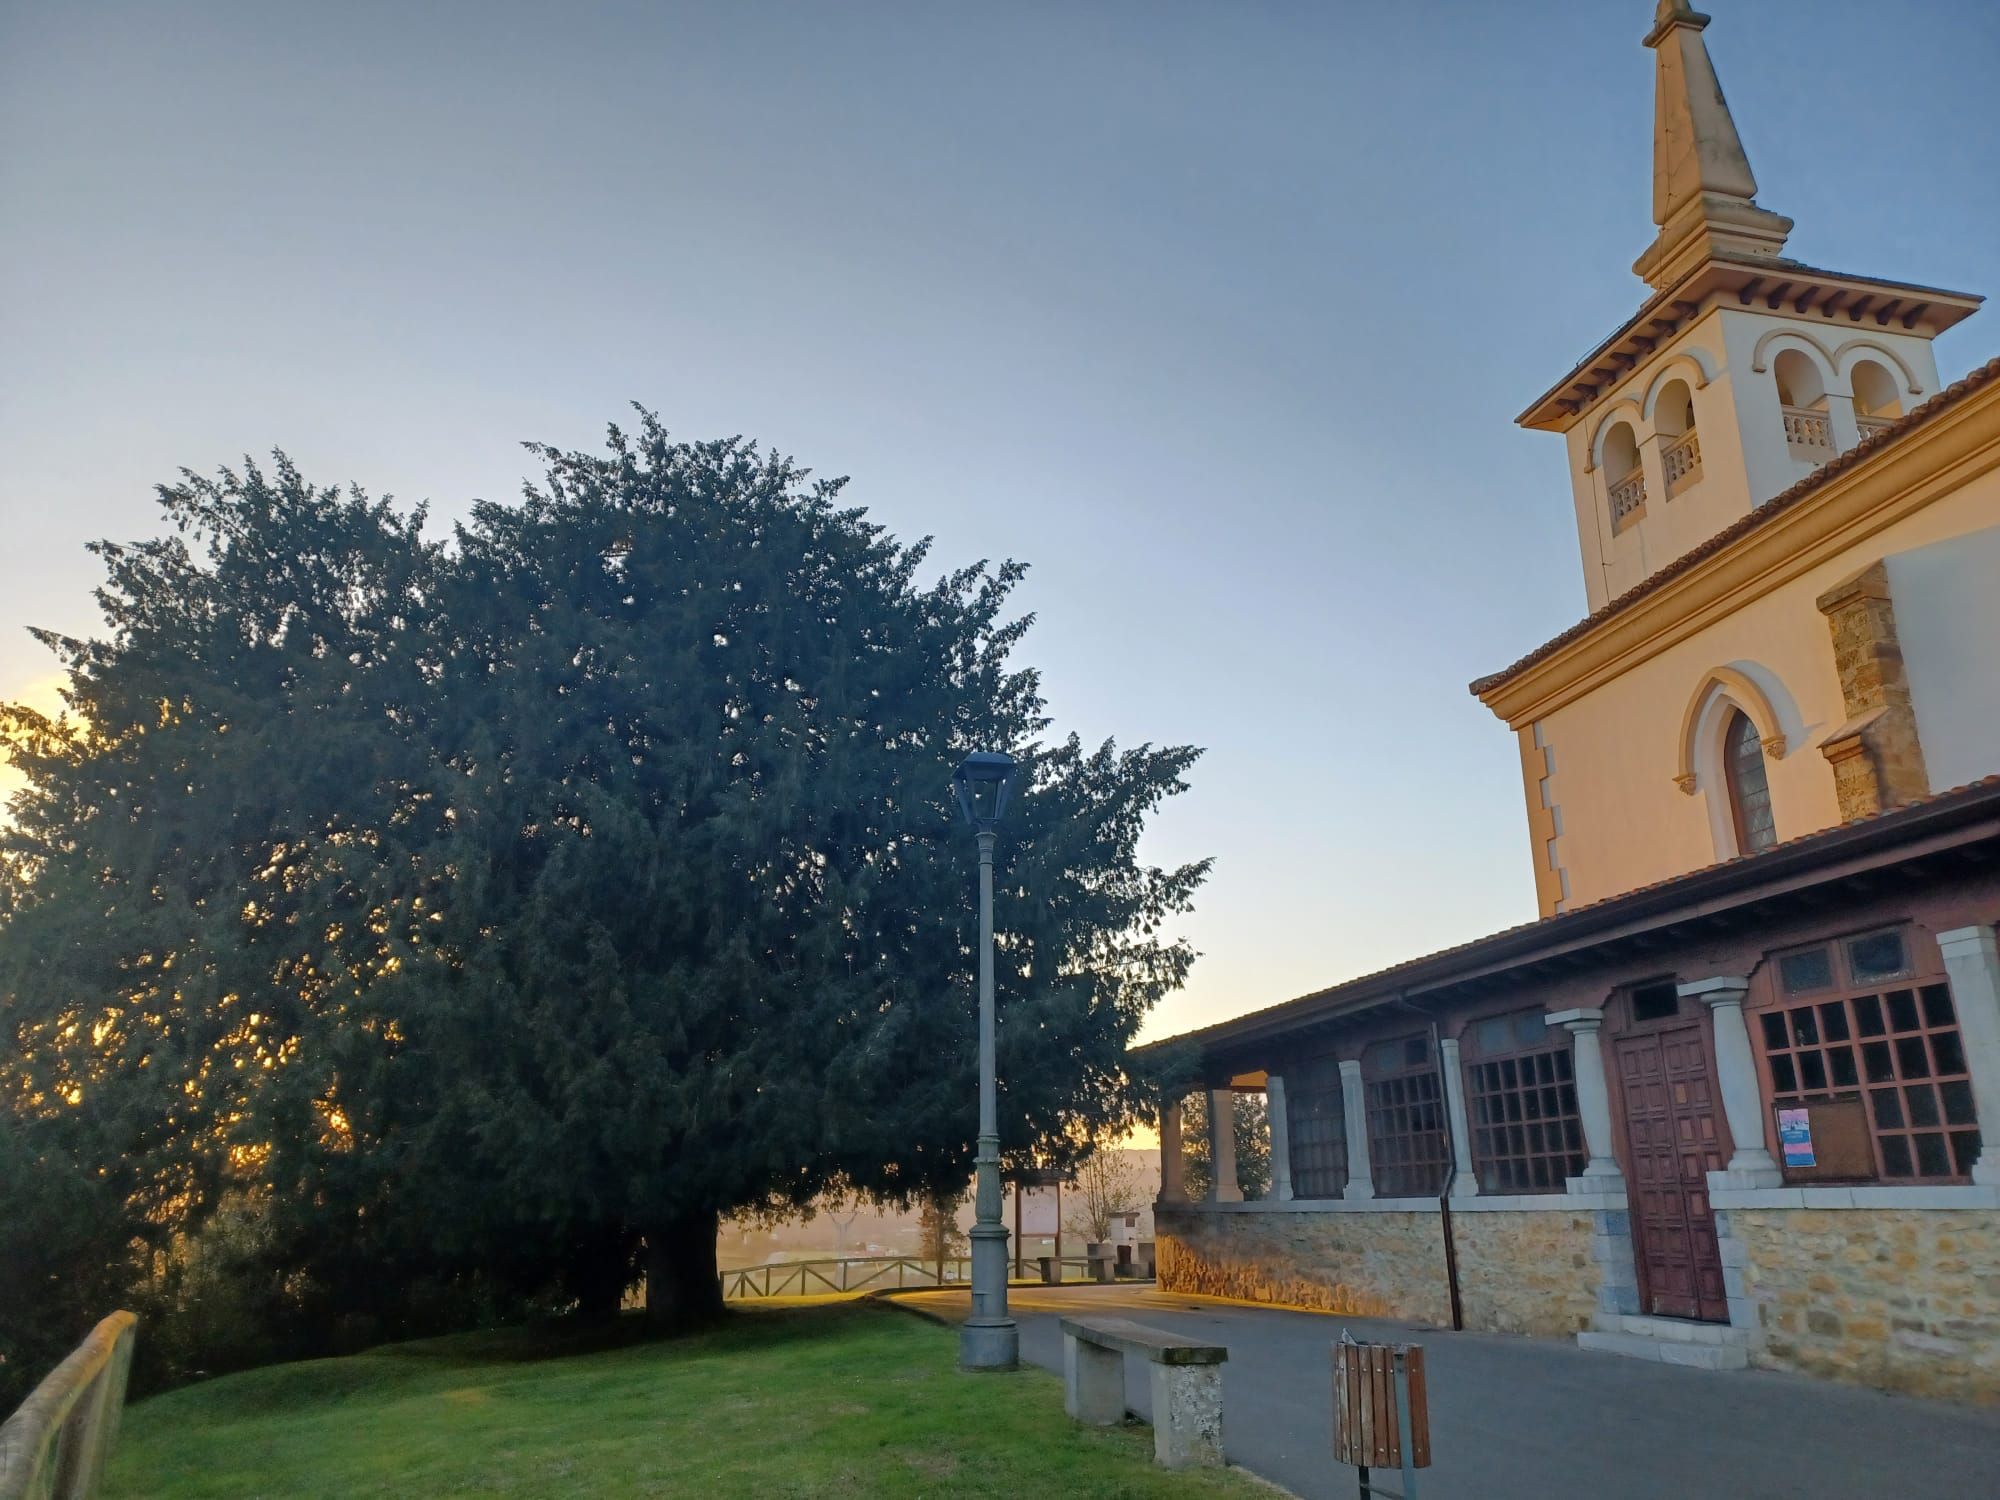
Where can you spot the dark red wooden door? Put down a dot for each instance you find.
(1672, 1132)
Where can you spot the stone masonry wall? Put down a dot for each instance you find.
(1908, 1299)
(1387, 1264)
(1531, 1272)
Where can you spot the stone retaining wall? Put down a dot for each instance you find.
(1531, 1272)
(1908, 1299)
(1373, 1264)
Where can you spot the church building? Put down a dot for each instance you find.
(1727, 1102)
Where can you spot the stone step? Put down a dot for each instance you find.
(1673, 1330)
(1667, 1351)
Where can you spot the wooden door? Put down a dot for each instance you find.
(1673, 1136)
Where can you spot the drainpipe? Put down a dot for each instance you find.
(1451, 1169)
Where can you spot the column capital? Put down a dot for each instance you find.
(1967, 940)
(1350, 1067)
(1722, 989)
(1577, 1019)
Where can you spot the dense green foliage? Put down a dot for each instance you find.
(488, 917)
(837, 1401)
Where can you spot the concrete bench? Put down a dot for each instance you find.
(1186, 1381)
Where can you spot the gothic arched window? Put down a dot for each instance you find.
(1749, 790)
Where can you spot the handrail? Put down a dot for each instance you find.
(55, 1446)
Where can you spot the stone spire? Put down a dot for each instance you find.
(1704, 198)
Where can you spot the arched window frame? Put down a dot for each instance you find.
(1624, 480)
(1680, 446)
(1702, 768)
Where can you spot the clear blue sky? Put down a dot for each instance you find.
(1217, 314)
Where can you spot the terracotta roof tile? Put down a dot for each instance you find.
(1950, 396)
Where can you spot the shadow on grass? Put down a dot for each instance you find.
(386, 1372)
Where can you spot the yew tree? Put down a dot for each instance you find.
(526, 902)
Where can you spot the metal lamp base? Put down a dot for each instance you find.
(989, 1346)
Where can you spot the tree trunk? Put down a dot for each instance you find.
(683, 1291)
(599, 1272)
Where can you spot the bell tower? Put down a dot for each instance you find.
(1745, 369)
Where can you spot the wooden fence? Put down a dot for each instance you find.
(55, 1446)
(859, 1273)
(815, 1278)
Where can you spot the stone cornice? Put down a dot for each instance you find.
(1763, 283)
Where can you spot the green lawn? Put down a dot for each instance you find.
(842, 1400)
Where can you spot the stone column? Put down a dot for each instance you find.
(1466, 1183)
(1972, 963)
(1173, 1159)
(1846, 432)
(1281, 1138)
(1654, 467)
(1736, 1080)
(1593, 1099)
(1354, 1109)
(1222, 1184)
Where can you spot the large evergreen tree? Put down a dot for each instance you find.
(525, 903)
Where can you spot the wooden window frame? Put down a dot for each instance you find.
(1892, 1041)
(1409, 1137)
(1316, 1129)
(1518, 1097)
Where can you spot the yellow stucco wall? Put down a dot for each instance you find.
(1622, 820)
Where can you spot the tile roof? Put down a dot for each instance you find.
(1972, 794)
(1950, 396)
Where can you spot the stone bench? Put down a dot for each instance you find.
(1186, 1385)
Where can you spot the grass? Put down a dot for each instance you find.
(848, 1399)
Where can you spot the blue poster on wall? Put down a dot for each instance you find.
(1795, 1137)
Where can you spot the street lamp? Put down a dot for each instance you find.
(988, 1339)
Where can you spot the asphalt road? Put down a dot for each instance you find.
(1531, 1419)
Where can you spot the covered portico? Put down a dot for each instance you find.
(1664, 1124)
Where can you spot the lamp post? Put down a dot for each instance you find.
(988, 1339)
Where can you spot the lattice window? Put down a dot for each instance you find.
(1749, 788)
(1316, 1125)
(1408, 1151)
(1527, 1133)
(1892, 1039)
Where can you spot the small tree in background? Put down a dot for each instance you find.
(938, 1233)
(1107, 1184)
(1253, 1144)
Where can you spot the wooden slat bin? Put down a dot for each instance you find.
(1365, 1429)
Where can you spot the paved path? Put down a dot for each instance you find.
(1534, 1419)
